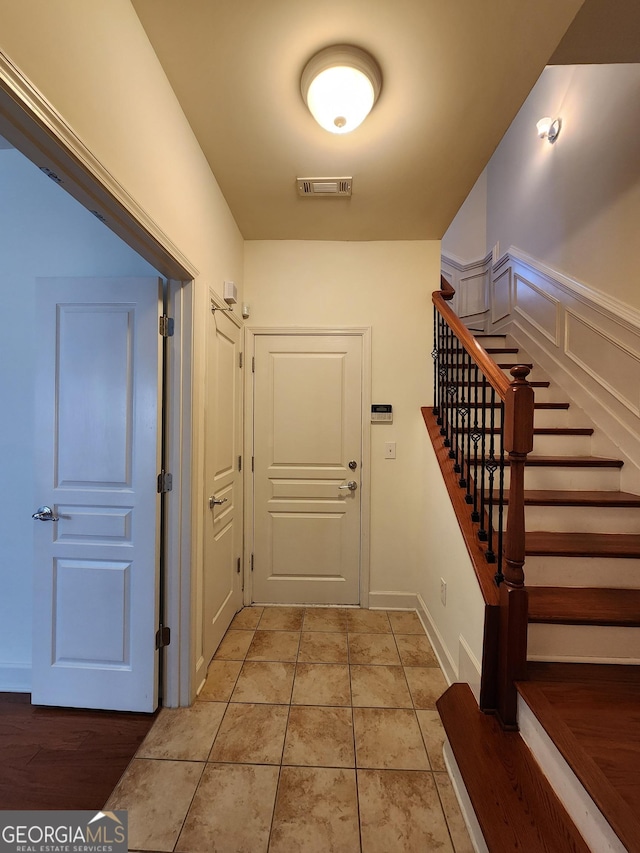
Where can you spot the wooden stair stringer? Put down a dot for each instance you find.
(514, 803)
(619, 814)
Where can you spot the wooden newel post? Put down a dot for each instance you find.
(518, 442)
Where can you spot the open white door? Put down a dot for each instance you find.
(96, 560)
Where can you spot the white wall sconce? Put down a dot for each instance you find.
(549, 128)
(340, 85)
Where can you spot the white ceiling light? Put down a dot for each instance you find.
(340, 85)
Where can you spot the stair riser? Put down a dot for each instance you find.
(584, 643)
(547, 418)
(545, 445)
(561, 445)
(583, 519)
(605, 572)
(567, 478)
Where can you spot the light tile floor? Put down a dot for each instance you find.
(315, 732)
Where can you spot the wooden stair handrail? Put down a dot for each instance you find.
(518, 399)
(487, 365)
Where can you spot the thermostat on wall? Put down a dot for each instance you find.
(381, 413)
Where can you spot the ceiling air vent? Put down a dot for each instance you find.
(324, 187)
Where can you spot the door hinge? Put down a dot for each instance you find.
(165, 326)
(240, 360)
(253, 364)
(239, 463)
(165, 482)
(163, 637)
(238, 566)
(252, 464)
(252, 562)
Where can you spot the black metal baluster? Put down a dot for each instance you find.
(492, 467)
(499, 577)
(442, 371)
(455, 378)
(475, 437)
(464, 412)
(451, 393)
(434, 356)
(482, 533)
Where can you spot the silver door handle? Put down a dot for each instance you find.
(351, 485)
(214, 501)
(45, 513)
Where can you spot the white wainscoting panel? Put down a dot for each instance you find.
(604, 358)
(501, 295)
(538, 307)
(470, 281)
(586, 341)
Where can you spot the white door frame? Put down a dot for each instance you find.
(364, 332)
(41, 133)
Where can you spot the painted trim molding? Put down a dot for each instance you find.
(609, 304)
(393, 600)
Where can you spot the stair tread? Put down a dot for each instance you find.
(505, 350)
(590, 713)
(514, 803)
(569, 497)
(539, 383)
(574, 461)
(565, 461)
(479, 404)
(584, 606)
(539, 543)
(536, 430)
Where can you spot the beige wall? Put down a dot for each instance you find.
(574, 205)
(466, 237)
(385, 285)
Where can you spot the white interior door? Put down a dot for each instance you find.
(308, 449)
(96, 564)
(222, 582)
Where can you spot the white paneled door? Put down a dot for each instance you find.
(308, 460)
(222, 578)
(97, 521)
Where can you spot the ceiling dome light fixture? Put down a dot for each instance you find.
(340, 85)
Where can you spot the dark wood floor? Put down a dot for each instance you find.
(59, 758)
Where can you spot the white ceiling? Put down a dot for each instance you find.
(455, 73)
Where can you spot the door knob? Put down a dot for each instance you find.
(214, 501)
(45, 513)
(351, 486)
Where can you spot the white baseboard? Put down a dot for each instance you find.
(388, 600)
(447, 664)
(468, 814)
(15, 678)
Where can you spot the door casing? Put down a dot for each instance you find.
(364, 332)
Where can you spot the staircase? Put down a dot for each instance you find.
(581, 702)
(582, 564)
